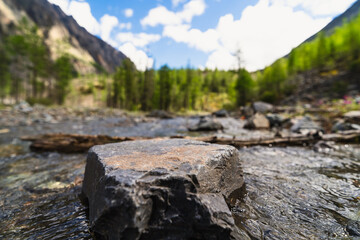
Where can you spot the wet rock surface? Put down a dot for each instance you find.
(162, 189)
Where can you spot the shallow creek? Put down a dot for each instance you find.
(289, 193)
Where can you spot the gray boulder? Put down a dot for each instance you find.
(23, 107)
(206, 124)
(160, 114)
(306, 126)
(247, 111)
(262, 107)
(221, 113)
(341, 125)
(275, 120)
(162, 189)
(258, 121)
(352, 117)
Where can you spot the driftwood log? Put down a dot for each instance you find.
(74, 143)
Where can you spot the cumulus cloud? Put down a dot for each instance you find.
(204, 41)
(81, 12)
(175, 3)
(221, 59)
(162, 16)
(107, 24)
(138, 40)
(266, 32)
(138, 57)
(128, 12)
(63, 4)
(126, 26)
(318, 7)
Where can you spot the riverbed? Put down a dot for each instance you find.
(289, 193)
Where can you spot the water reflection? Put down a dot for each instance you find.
(296, 193)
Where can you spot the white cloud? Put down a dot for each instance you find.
(191, 9)
(126, 26)
(63, 4)
(264, 33)
(138, 40)
(204, 41)
(81, 12)
(107, 24)
(128, 12)
(221, 59)
(162, 16)
(139, 57)
(175, 3)
(318, 7)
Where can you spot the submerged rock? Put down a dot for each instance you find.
(207, 124)
(258, 121)
(162, 189)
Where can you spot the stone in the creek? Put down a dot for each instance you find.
(262, 107)
(162, 189)
(306, 126)
(341, 125)
(275, 120)
(221, 113)
(258, 121)
(160, 114)
(207, 124)
(352, 117)
(23, 107)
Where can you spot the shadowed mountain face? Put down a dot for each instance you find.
(57, 26)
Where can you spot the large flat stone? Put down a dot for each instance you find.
(161, 189)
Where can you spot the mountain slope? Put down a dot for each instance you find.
(348, 15)
(326, 66)
(61, 33)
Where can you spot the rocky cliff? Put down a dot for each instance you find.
(61, 33)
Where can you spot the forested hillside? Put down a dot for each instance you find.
(326, 66)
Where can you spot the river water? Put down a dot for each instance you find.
(289, 193)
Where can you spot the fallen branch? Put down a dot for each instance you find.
(73, 143)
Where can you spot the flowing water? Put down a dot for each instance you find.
(289, 193)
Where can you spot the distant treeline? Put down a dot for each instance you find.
(178, 89)
(27, 72)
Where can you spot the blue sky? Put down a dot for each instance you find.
(203, 33)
